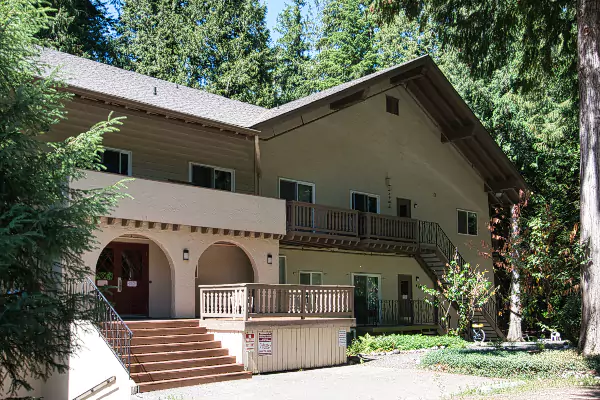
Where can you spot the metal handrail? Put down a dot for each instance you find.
(109, 323)
(105, 383)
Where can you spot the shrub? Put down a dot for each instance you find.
(369, 344)
(502, 363)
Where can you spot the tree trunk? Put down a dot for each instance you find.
(515, 333)
(588, 43)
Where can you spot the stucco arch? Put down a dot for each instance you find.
(161, 266)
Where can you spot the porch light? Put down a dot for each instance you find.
(417, 279)
(186, 254)
(269, 258)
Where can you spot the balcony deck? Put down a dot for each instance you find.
(323, 226)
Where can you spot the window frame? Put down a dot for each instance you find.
(352, 192)
(314, 188)
(284, 268)
(120, 151)
(215, 168)
(458, 210)
(311, 276)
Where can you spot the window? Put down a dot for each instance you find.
(212, 177)
(391, 105)
(282, 269)
(291, 190)
(364, 202)
(467, 222)
(311, 278)
(117, 161)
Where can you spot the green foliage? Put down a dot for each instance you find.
(219, 46)
(43, 221)
(368, 344)
(502, 363)
(466, 287)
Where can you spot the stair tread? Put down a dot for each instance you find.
(164, 362)
(189, 378)
(202, 368)
(177, 352)
(173, 344)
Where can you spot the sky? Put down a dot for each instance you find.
(274, 7)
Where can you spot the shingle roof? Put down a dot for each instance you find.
(304, 101)
(107, 80)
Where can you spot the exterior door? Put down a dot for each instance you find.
(405, 307)
(403, 207)
(122, 276)
(366, 299)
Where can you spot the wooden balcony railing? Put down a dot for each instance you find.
(400, 312)
(247, 300)
(386, 227)
(318, 219)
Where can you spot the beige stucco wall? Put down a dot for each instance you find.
(172, 203)
(358, 147)
(183, 284)
(160, 283)
(338, 267)
(91, 364)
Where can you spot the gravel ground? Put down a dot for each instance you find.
(388, 377)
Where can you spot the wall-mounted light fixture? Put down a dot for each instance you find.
(415, 205)
(417, 279)
(186, 254)
(269, 258)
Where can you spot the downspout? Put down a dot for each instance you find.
(257, 166)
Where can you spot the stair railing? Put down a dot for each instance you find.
(433, 234)
(107, 321)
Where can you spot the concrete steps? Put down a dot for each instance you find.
(175, 353)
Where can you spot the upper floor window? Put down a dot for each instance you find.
(311, 278)
(467, 222)
(391, 105)
(117, 161)
(212, 177)
(292, 190)
(364, 202)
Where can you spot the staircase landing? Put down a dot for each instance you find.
(174, 353)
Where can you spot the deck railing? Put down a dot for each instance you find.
(314, 218)
(247, 300)
(386, 227)
(402, 312)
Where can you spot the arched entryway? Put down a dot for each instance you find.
(222, 263)
(134, 274)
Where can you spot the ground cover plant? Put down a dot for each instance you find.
(373, 344)
(511, 363)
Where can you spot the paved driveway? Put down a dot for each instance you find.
(394, 377)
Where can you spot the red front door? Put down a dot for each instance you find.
(122, 275)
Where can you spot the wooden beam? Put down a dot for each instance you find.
(415, 73)
(348, 100)
(460, 133)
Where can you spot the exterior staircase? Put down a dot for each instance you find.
(435, 252)
(174, 353)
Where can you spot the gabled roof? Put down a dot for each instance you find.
(118, 83)
(421, 77)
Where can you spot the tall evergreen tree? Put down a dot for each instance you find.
(79, 27)
(292, 54)
(43, 221)
(219, 46)
(345, 49)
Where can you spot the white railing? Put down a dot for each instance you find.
(248, 300)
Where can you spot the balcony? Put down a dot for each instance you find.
(181, 204)
(396, 313)
(329, 226)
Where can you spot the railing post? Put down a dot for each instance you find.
(302, 302)
(201, 303)
(246, 302)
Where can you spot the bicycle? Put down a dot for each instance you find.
(478, 334)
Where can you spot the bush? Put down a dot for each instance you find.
(369, 344)
(502, 363)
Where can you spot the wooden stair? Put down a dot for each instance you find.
(175, 353)
(435, 261)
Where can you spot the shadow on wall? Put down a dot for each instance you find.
(222, 263)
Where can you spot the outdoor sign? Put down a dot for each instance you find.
(131, 283)
(249, 341)
(342, 338)
(265, 343)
